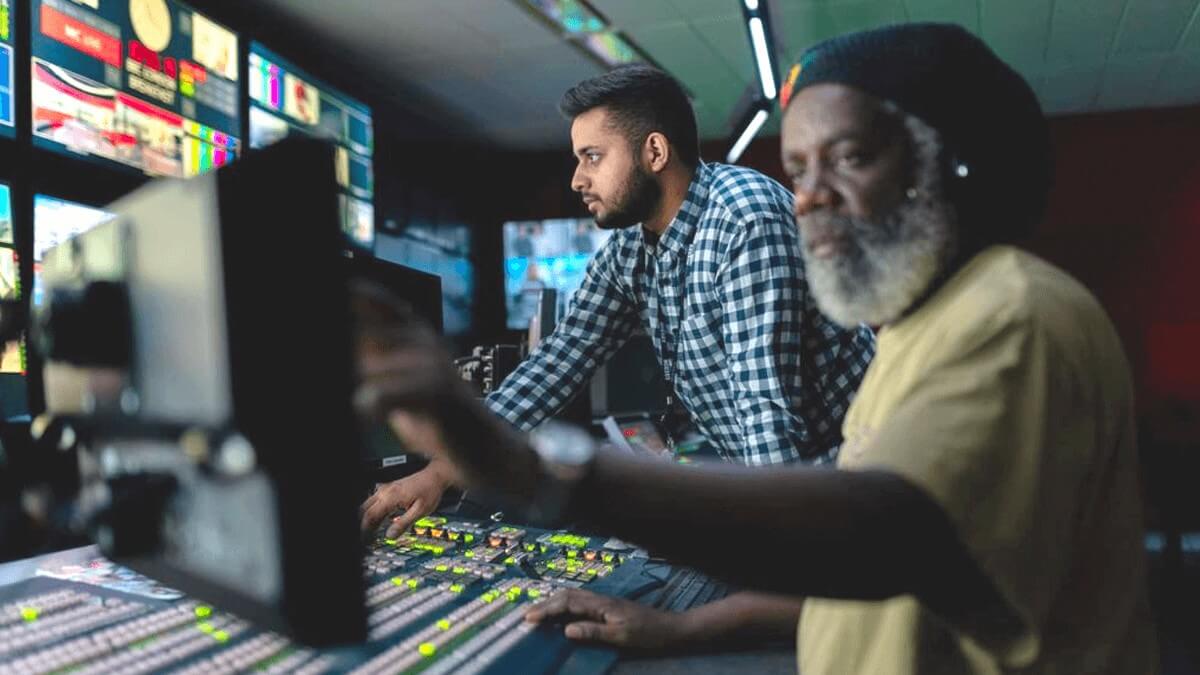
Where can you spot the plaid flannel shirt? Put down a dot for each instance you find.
(764, 376)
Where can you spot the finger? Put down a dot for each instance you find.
(594, 631)
(397, 497)
(400, 524)
(555, 605)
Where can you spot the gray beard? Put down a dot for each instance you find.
(891, 263)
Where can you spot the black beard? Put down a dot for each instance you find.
(637, 201)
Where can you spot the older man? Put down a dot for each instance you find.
(986, 519)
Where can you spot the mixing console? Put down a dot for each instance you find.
(446, 596)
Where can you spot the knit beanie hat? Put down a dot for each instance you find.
(997, 159)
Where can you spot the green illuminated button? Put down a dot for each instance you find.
(442, 568)
(592, 571)
(205, 627)
(552, 565)
(608, 557)
(203, 612)
(534, 593)
(391, 542)
(413, 583)
(30, 614)
(444, 624)
(427, 649)
(399, 581)
(456, 588)
(468, 538)
(571, 553)
(510, 560)
(221, 636)
(469, 554)
(489, 596)
(530, 547)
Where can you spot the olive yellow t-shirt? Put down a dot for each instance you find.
(1006, 398)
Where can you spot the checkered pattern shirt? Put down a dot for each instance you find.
(763, 375)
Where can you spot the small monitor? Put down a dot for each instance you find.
(545, 316)
(150, 85)
(212, 388)
(7, 33)
(545, 254)
(55, 221)
(285, 101)
(13, 394)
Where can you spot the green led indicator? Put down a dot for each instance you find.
(469, 554)
(468, 538)
(30, 614)
(390, 542)
(221, 636)
(442, 568)
(412, 583)
(203, 612)
(534, 593)
(399, 581)
(205, 627)
(460, 570)
(427, 649)
(510, 560)
(592, 571)
(456, 588)
(444, 624)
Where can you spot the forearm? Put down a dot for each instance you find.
(789, 530)
(740, 619)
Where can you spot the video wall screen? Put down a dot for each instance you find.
(54, 221)
(6, 69)
(286, 100)
(541, 254)
(147, 84)
(13, 358)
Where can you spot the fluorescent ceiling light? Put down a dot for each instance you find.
(748, 135)
(752, 5)
(758, 38)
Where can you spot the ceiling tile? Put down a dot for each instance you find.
(1082, 30)
(1018, 30)
(704, 9)
(855, 16)
(1153, 25)
(1070, 89)
(729, 37)
(962, 12)
(800, 27)
(1129, 81)
(625, 13)
(1179, 83)
(1191, 36)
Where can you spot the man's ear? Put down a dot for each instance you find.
(656, 152)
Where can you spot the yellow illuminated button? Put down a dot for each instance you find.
(444, 624)
(30, 614)
(205, 627)
(413, 583)
(221, 636)
(399, 581)
(203, 612)
(427, 649)
(456, 588)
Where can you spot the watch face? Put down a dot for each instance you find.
(151, 21)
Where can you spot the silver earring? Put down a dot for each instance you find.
(911, 193)
(962, 171)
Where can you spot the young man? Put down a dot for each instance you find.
(986, 517)
(705, 259)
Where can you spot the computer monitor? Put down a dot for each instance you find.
(285, 100)
(545, 254)
(7, 33)
(421, 290)
(210, 375)
(146, 84)
(13, 394)
(55, 221)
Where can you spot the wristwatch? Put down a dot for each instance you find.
(565, 457)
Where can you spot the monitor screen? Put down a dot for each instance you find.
(54, 221)
(545, 254)
(13, 358)
(286, 100)
(148, 84)
(6, 68)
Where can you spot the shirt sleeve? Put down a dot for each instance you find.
(600, 318)
(762, 299)
(999, 432)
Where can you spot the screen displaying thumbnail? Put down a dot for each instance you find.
(12, 360)
(6, 68)
(148, 84)
(55, 221)
(542, 254)
(286, 100)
